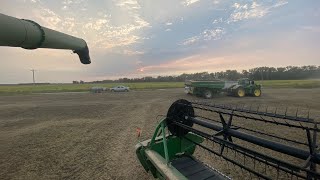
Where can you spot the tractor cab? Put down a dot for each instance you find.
(245, 82)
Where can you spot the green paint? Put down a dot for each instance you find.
(167, 146)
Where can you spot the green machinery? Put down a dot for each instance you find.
(207, 89)
(163, 155)
(219, 134)
(30, 35)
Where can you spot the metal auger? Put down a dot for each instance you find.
(30, 35)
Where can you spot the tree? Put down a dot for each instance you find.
(258, 73)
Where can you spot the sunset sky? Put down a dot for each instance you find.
(135, 38)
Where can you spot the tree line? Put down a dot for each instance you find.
(258, 73)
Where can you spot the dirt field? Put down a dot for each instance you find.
(92, 136)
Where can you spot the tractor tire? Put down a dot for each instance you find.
(240, 92)
(257, 93)
(207, 94)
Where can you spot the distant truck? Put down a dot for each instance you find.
(206, 89)
(120, 89)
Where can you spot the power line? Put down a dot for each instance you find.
(34, 82)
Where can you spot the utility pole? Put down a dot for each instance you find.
(261, 78)
(34, 82)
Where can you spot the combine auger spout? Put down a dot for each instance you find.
(261, 144)
(30, 35)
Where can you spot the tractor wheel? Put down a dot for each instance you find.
(207, 94)
(257, 93)
(240, 92)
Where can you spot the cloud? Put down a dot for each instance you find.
(196, 63)
(315, 29)
(246, 11)
(97, 24)
(274, 53)
(124, 34)
(130, 52)
(48, 17)
(206, 35)
(34, 1)
(168, 23)
(168, 29)
(216, 2)
(253, 11)
(100, 31)
(254, 5)
(213, 34)
(109, 36)
(216, 21)
(280, 3)
(191, 40)
(189, 2)
(127, 4)
(67, 2)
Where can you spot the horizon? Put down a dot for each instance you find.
(155, 76)
(138, 38)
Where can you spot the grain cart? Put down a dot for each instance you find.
(207, 89)
(233, 137)
(98, 89)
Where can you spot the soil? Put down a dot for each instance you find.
(93, 136)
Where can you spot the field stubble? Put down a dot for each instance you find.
(92, 136)
(27, 89)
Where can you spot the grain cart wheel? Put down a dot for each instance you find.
(257, 93)
(207, 94)
(240, 92)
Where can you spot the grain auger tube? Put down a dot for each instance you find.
(195, 139)
(30, 35)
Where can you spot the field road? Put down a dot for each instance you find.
(92, 136)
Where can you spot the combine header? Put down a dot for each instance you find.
(195, 139)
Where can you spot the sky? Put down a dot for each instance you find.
(136, 38)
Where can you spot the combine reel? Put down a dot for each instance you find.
(260, 145)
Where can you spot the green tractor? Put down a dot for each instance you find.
(206, 89)
(244, 87)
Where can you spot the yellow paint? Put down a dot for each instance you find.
(241, 92)
(257, 92)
